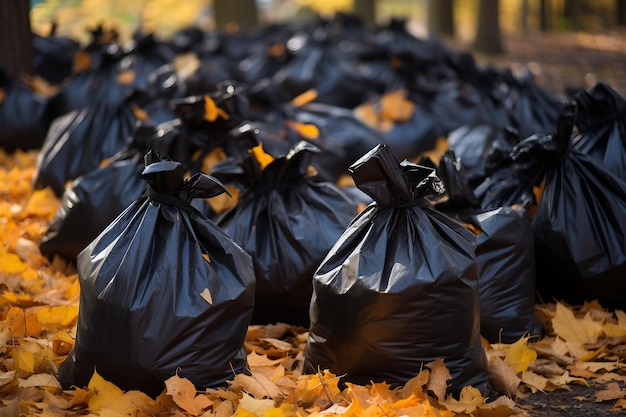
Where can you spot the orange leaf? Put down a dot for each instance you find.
(264, 159)
(306, 130)
(104, 393)
(183, 393)
(126, 77)
(58, 316)
(612, 392)
(11, 264)
(16, 321)
(212, 112)
(304, 98)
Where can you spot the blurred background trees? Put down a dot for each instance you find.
(479, 24)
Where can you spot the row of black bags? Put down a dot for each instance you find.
(403, 285)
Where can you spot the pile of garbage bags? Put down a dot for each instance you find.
(388, 193)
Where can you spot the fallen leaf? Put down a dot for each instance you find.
(469, 399)
(183, 393)
(254, 406)
(40, 380)
(573, 329)
(104, 393)
(519, 356)
(611, 392)
(206, 295)
(254, 359)
(258, 385)
(439, 378)
(503, 377)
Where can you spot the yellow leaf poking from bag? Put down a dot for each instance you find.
(264, 159)
(212, 112)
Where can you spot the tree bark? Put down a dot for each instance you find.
(572, 13)
(545, 16)
(16, 46)
(366, 11)
(242, 13)
(620, 9)
(488, 38)
(441, 17)
(524, 16)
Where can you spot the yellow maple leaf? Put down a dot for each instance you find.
(572, 329)
(11, 264)
(519, 355)
(41, 203)
(24, 361)
(104, 393)
(255, 406)
(469, 399)
(58, 316)
(183, 392)
(310, 387)
(22, 324)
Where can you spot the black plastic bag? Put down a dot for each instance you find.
(505, 256)
(340, 136)
(54, 56)
(287, 221)
(78, 142)
(23, 118)
(164, 291)
(399, 288)
(601, 121)
(93, 200)
(580, 227)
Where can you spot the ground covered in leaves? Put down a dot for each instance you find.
(579, 360)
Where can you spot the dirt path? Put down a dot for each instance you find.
(567, 60)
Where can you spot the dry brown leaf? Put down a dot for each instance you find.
(439, 378)
(183, 392)
(546, 367)
(258, 385)
(503, 377)
(611, 392)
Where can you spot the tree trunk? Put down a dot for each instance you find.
(366, 11)
(16, 47)
(242, 13)
(545, 16)
(572, 14)
(441, 17)
(524, 16)
(488, 37)
(620, 9)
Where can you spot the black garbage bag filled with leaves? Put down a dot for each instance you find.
(53, 56)
(507, 182)
(92, 201)
(531, 108)
(23, 118)
(340, 136)
(164, 292)
(580, 227)
(405, 122)
(399, 288)
(505, 256)
(82, 139)
(601, 121)
(287, 221)
(98, 81)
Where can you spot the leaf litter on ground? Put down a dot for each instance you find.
(39, 309)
